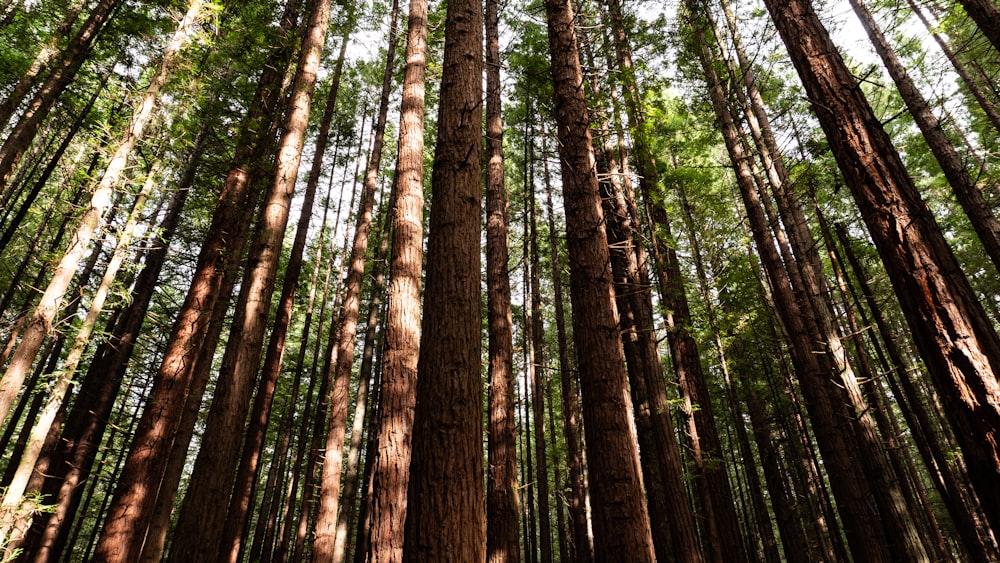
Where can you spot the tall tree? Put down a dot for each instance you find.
(445, 517)
(390, 474)
(621, 525)
(502, 504)
(952, 332)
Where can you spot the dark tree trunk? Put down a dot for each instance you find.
(502, 502)
(621, 525)
(952, 332)
(445, 518)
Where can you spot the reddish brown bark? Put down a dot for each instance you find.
(502, 503)
(621, 525)
(390, 474)
(952, 332)
(445, 517)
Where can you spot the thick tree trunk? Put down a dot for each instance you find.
(390, 471)
(502, 503)
(445, 518)
(955, 338)
(621, 525)
(984, 222)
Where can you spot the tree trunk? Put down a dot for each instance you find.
(953, 334)
(57, 394)
(862, 527)
(621, 525)
(536, 374)
(984, 222)
(63, 72)
(390, 471)
(502, 503)
(445, 518)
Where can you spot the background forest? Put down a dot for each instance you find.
(533, 281)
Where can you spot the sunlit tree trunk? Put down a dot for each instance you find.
(390, 472)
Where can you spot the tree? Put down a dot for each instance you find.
(445, 517)
(955, 338)
(621, 525)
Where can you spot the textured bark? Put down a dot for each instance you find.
(984, 222)
(953, 334)
(502, 503)
(132, 505)
(445, 517)
(390, 474)
(621, 525)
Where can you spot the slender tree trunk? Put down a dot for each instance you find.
(953, 334)
(43, 178)
(537, 376)
(63, 72)
(41, 320)
(621, 525)
(863, 529)
(989, 108)
(446, 496)
(390, 471)
(502, 503)
(239, 505)
(203, 514)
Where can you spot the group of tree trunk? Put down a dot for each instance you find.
(753, 364)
